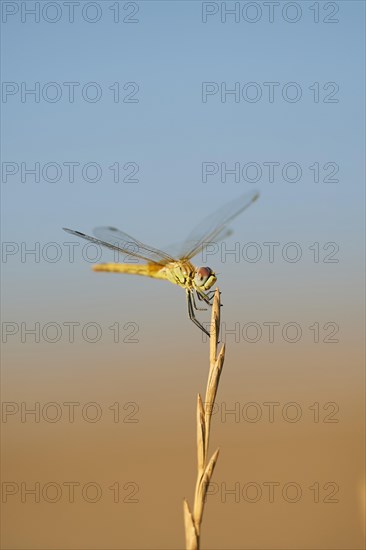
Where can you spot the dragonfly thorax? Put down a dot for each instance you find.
(179, 273)
(183, 273)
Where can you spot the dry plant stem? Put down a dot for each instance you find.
(192, 520)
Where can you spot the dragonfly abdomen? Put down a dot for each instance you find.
(147, 270)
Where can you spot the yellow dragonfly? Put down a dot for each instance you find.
(176, 266)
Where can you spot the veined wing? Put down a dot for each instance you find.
(214, 227)
(175, 250)
(120, 242)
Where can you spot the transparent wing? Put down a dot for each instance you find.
(175, 250)
(112, 235)
(214, 227)
(116, 240)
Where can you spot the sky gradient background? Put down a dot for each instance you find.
(160, 361)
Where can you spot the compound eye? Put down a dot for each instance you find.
(202, 275)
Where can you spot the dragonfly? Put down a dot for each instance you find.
(173, 264)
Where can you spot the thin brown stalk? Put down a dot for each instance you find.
(205, 467)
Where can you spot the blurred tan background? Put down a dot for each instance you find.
(289, 423)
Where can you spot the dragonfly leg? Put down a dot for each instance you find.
(208, 297)
(192, 315)
(211, 294)
(203, 297)
(195, 305)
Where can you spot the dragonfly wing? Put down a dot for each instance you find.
(214, 227)
(131, 246)
(176, 250)
(120, 247)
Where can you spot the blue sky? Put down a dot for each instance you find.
(169, 132)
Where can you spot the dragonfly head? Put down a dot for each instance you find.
(204, 278)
